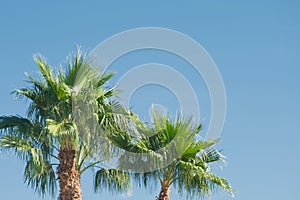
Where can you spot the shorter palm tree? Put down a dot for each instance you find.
(186, 161)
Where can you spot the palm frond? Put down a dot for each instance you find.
(40, 177)
(112, 180)
(21, 136)
(63, 127)
(15, 124)
(193, 174)
(104, 78)
(220, 182)
(196, 147)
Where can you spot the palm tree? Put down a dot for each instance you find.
(185, 160)
(54, 132)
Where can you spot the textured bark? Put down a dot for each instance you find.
(164, 192)
(69, 177)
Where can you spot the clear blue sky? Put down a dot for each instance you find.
(255, 44)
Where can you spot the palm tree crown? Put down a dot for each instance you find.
(54, 132)
(186, 160)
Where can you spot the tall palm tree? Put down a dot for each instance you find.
(54, 132)
(185, 162)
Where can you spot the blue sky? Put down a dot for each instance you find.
(255, 44)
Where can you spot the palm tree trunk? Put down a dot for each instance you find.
(164, 192)
(69, 177)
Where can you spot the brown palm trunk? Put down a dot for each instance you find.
(69, 177)
(164, 192)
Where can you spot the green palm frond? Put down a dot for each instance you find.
(74, 68)
(104, 78)
(196, 147)
(63, 127)
(24, 132)
(198, 180)
(15, 124)
(194, 173)
(112, 180)
(40, 177)
(60, 89)
(209, 155)
(219, 182)
(22, 147)
(26, 139)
